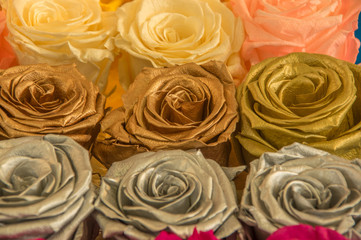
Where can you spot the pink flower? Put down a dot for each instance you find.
(305, 232)
(276, 28)
(7, 55)
(202, 235)
(167, 236)
(195, 236)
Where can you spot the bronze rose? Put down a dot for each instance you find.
(41, 99)
(182, 107)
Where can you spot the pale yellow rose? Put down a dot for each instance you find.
(174, 32)
(62, 31)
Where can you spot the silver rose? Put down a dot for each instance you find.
(167, 190)
(44, 187)
(300, 184)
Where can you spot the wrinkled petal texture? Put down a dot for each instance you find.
(276, 28)
(44, 187)
(301, 184)
(187, 106)
(174, 32)
(174, 190)
(301, 97)
(7, 55)
(40, 99)
(62, 32)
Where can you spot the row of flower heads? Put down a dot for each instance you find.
(46, 188)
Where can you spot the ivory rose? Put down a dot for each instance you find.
(301, 97)
(45, 187)
(7, 55)
(302, 185)
(40, 99)
(62, 32)
(276, 28)
(183, 107)
(175, 32)
(167, 190)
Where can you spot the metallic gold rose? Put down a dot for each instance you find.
(183, 107)
(307, 98)
(44, 187)
(169, 190)
(303, 185)
(41, 99)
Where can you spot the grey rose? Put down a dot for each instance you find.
(300, 184)
(167, 190)
(44, 187)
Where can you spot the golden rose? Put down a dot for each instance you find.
(183, 107)
(40, 99)
(175, 32)
(308, 98)
(62, 32)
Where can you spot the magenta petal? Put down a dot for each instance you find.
(305, 232)
(323, 233)
(202, 235)
(163, 235)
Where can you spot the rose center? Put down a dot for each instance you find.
(182, 106)
(171, 28)
(306, 196)
(300, 87)
(170, 186)
(28, 177)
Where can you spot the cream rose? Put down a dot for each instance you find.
(62, 32)
(175, 32)
(300, 184)
(44, 187)
(276, 28)
(167, 190)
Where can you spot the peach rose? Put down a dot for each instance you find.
(276, 28)
(7, 56)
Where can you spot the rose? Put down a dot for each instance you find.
(301, 97)
(7, 56)
(163, 235)
(44, 187)
(183, 107)
(175, 32)
(276, 28)
(300, 184)
(305, 232)
(40, 99)
(174, 190)
(62, 32)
